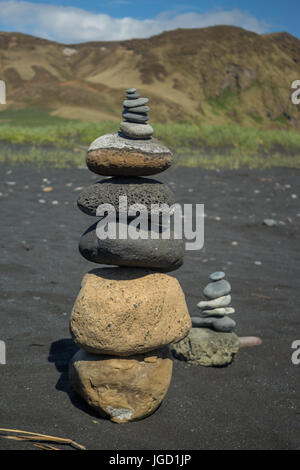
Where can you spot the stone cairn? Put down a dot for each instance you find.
(125, 316)
(215, 310)
(211, 341)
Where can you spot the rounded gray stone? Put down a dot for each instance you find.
(131, 90)
(132, 117)
(162, 255)
(217, 289)
(136, 131)
(134, 103)
(206, 347)
(224, 324)
(217, 276)
(138, 190)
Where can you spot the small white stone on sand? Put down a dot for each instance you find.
(219, 311)
(41, 201)
(223, 301)
(258, 263)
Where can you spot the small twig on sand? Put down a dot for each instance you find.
(45, 447)
(33, 436)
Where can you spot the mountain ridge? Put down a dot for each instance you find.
(219, 74)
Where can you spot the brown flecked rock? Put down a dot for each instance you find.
(123, 388)
(116, 155)
(127, 311)
(207, 347)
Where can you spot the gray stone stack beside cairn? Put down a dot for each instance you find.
(125, 317)
(211, 342)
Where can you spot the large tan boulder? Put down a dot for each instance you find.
(125, 311)
(125, 389)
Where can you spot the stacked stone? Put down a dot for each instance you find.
(211, 341)
(216, 310)
(135, 115)
(125, 317)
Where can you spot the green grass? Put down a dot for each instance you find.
(55, 141)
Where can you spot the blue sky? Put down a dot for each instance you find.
(72, 21)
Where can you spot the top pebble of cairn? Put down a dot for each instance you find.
(135, 116)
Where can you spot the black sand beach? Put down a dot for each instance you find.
(252, 404)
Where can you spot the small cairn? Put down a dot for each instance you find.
(125, 316)
(211, 341)
(135, 116)
(216, 310)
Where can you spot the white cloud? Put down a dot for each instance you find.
(70, 24)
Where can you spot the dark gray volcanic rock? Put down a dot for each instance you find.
(138, 190)
(161, 255)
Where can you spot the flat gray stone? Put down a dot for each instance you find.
(134, 103)
(138, 109)
(217, 289)
(132, 96)
(201, 322)
(224, 324)
(207, 348)
(138, 190)
(131, 90)
(136, 131)
(217, 276)
(162, 255)
(223, 301)
(219, 312)
(132, 117)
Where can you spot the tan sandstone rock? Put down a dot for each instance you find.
(114, 155)
(126, 311)
(125, 389)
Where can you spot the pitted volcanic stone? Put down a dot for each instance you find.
(116, 155)
(123, 388)
(144, 191)
(127, 311)
(162, 255)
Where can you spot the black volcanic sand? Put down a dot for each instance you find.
(252, 404)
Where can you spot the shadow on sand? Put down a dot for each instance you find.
(61, 353)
